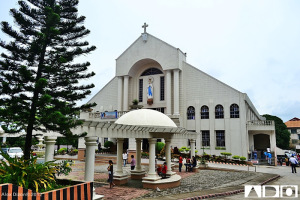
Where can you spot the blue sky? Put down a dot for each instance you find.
(251, 45)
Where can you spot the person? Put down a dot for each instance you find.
(132, 162)
(266, 155)
(194, 162)
(287, 162)
(99, 147)
(269, 158)
(158, 170)
(125, 156)
(294, 163)
(187, 164)
(255, 154)
(110, 170)
(180, 163)
(280, 161)
(164, 170)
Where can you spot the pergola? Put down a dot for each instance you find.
(139, 124)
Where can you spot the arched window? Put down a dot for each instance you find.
(204, 112)
(151, 71)
(191, 113)
(219, 112)
(234, 111)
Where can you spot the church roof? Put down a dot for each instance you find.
(146, 117)
(293, 123)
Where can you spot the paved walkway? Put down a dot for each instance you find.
(216, 182)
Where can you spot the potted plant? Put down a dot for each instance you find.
(135, 105)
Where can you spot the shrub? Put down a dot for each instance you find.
(235, 157)
(145, 154)
(159, 146)
(73, 152)
(28, 173)
(226, 154)
(64, 167)
(62, 151)
(108, 144)
(243, 158)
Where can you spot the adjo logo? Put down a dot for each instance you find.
(274, 191)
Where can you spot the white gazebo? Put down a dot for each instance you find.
(139, 124)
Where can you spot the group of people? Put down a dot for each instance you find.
(189, 164)
(162, 170)
(110, 168)
(125, 158)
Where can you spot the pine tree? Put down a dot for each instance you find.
(39, 79)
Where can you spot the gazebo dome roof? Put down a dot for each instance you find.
(146, 117)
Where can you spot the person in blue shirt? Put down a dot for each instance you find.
(269, 158)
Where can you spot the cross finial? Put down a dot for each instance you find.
(145, 26)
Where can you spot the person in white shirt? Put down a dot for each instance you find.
(125, 156)
(293, 162)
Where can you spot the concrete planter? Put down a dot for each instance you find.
(80, 190)
(202, 166)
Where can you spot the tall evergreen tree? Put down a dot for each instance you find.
(39, 79)
(282, 133)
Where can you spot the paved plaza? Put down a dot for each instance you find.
(219, 179)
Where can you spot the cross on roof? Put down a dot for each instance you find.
(145, 26)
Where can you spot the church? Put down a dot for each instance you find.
(152, 74)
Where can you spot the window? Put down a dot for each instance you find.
(219, 112)
(293, 130)
(141, 90)
(220, 138)
(162, 88)
(205, 139)
(204, 112)
(234, 111)
(151, 71)
(191, 113)
(298, 136)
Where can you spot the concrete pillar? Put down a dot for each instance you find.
(91, 145)
(4, 140)
(120, 92)
(168, 156)
(176, 92)
(152, 175)
(193, 142)
(50, 142)
(138, 166)
(168, 93)
(125, 93)
(119, 171)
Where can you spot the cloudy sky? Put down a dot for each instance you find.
(251, 45)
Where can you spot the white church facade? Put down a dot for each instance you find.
(157, 76)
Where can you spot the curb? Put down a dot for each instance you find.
(228, 193)
(213, 162)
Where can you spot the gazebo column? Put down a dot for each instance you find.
(119, 177)
(91, 144)
(193, 142)
(168, 157)
(152, 175)
(50, 142)
(138, 173)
